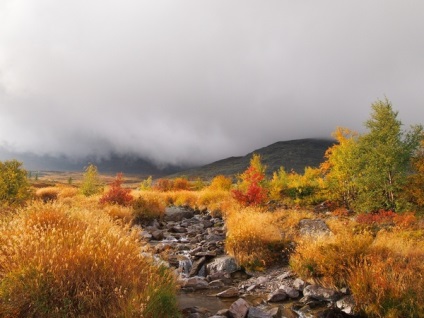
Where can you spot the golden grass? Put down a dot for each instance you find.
(254, 237)
(47, 194)
(57, 261)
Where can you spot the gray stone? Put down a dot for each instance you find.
(229, 293)
(157, 235)
(238, 309)
(320, 293)
(195, 283)
(346, 304)
(224, 263)
(216, 284)
(313, 228)
(255, 312)
(299, 284)
(290, 291)
(177, 214)
(197, 265)
(277, 296)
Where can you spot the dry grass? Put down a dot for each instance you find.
(254, 237)
(390, 281)
(57, 261)
(47, 194)
(147, 206)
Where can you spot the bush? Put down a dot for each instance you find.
(58, 262)
(117, 194)
(389, 283)
(147, 208)
(47, 194)
(254, 238)
(14, 186)
(221, 182)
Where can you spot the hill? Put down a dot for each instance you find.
(292, 155)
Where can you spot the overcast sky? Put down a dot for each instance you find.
(194, 81)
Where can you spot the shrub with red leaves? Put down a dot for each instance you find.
(117, 194)
(381, 217)
(251, 191)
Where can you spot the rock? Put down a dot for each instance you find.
(176, 214)
(255, 312)
(157, 235)
(346, 304)
(238, 309)
(146, 235)
(261, 280)
(277, 296)
(216, 284)
(197, 265)
(225, 264)
(194, 283)
(195, 312)
(313, 227)
(290, 291)
(299, 284)
(229, 293)
(320, 293)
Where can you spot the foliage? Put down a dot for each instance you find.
(146, 184)
(414, 189)
(341, 168)
(251, 189)
(117, 194)
(47, 194)
(254, 238)
(221, 182)
(60, 262)
(14, 186)
(278, 184)
(90, 183)
(148, 207)
(385, 155)
(305, 189)
(329, 260)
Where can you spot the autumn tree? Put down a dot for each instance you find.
(278, 184)
(251, 188)
(414, 189)
(341, 167)
(117, 194)
(385, 153)
(90, 183)
(14, 186)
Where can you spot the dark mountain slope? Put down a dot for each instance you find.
(292, 155)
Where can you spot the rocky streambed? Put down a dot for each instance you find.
(214, 285)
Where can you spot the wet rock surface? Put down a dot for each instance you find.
(214, 285)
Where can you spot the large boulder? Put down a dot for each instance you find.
(239, 309)
(226, 264)
(176, 213)
(308, 227)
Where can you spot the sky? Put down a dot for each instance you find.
(193, 81)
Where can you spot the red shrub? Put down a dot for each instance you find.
(117, 194)
(381, 217)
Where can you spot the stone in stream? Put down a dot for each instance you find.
(320, 293)
(176, 214)
(238, 309)
(277, 296)
(290, 291)
(255, 312)
(229, 293)
(197, 265)
(194, 283)
(224, 263)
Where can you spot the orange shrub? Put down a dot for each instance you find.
(47, 194)
(221, 182)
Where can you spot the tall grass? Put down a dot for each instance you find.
(57, 261)
(254, 237)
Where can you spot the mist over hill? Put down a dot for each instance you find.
(292, 155)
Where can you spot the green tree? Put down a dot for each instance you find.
(14, 186)
(341, 167)
(90, 182)
(385, 154)
(146, 184)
